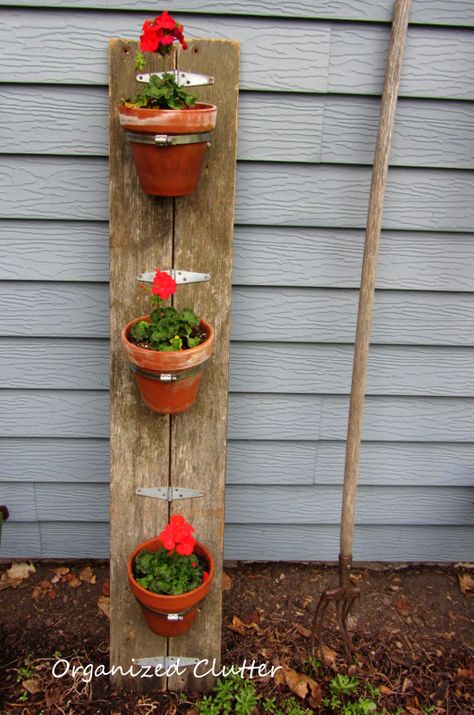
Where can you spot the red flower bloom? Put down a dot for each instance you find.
(149, 40)
(178, 535)
(194, 564)
(163, 285)
(165, 21)
(158, 35)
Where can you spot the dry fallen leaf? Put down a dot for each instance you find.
(103, 604)
(238, 626)
(72, 580)
(328, 656)
(43, 589)
(385, 691)
(88, 575)
(15, 575)
(60, 571)
(401, 604)
(302, 630)
(106, 588)
(300, 685)
(466, 583)
(226, 582)
(32, 685)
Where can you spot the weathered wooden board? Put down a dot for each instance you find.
(284, 505)
(141, 235)
(250, 462)
(84, 414)
(436, 12)
(203, 240)
(324, 128)
(193, 453)
(344, 58)
(267, 194)
(44, 363)
(266, 542)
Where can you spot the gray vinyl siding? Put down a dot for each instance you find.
(307, 126)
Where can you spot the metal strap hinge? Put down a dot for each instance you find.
(183, 79)
(168, 493)
(179, 276)
(166, 661)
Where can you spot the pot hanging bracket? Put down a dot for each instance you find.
(183, 79)
(179, 276)
(167, 661)
(168, 493)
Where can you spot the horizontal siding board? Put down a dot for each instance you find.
(322, 505)
(46, 363)
(288, 195)
(81, 310)
(54, 460)
(272, 127)
(344, 58)
(20, 500)
(400, 318)
(263, 256)
(332, 258)
(371, 543)
(278, 542)
(20, 540)
(310, 369)
(437, 12)
(381, 463)
(69, 413)
(283, 504)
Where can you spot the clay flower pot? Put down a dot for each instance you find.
(169, 615)
(168, 381)
(168, 169)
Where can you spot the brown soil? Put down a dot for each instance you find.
(413, 632)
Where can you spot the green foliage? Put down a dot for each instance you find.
(345, 697)
(172, 574)
(139, 61)
(237, 696)
(161, 93)
(168, 330)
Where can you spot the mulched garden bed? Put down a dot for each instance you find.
(413, 631)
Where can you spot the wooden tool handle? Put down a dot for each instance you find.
(369, 267)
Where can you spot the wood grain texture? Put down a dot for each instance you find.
(343, 57)
(45, 363)
(141, 236)
(71, 121)
(288, 194)
(250, 462)
(437, 12)
(203, 241)
(273, 543)
(84, 414)
(263, 256)
(291, 504)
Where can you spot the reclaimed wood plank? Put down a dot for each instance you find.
(141, 235)
(203, 240)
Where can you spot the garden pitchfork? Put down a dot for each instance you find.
(346, 594)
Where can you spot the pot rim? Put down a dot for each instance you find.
(173, 597)
(151, 111)
(202, 347)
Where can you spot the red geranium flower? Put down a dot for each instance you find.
(163, 285)
(158, 35)
(178, 535)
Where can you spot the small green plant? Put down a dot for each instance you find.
(25, 671)
(312, 665)
(246, 698)
(162, 93)
(167, 330)
(343, 685)
(174, 568)
(158, 36)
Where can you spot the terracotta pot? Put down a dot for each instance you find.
(168, 170)
(156, 606)
(160, 394)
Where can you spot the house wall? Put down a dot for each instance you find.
(311, 77)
